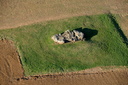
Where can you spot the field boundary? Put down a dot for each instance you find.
(99, 70)
(119, 30)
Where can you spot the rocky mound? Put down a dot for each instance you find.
(68, 36)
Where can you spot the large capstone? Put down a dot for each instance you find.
(68, 36)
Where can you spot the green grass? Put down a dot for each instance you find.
(40, 55)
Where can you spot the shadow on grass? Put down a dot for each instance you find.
(88, 33)
(125, 40)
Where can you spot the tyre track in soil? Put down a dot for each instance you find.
(10, 66)
(11, 72)
(116, 77)
(18, 13)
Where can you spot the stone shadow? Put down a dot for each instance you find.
(88, 33)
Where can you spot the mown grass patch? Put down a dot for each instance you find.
(40, 55)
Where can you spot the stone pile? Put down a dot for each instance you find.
(68, 36)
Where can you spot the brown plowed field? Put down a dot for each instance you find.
(10, 66)
(117, 77)
(14, 13)
(11, 72)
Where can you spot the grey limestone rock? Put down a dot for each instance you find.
(68, 36)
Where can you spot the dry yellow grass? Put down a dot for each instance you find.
(123, 20)
(14, 13)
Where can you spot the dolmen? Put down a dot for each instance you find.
(68, 36)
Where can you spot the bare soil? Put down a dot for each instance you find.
(11, 72)
(115, 77)
(14, 13)
(10, 66)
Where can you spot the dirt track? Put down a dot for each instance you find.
(11, 73)
(14, 13)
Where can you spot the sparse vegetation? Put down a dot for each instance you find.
(39, 54)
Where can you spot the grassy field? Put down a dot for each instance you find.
(40, 55)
